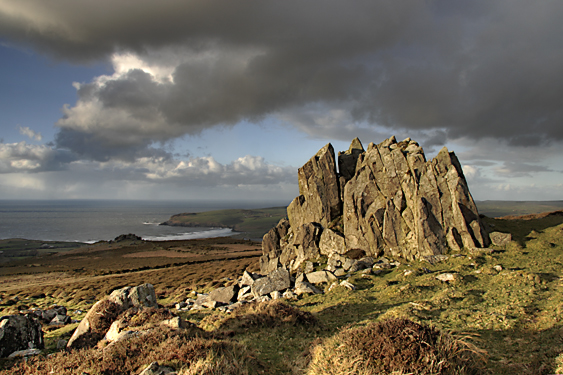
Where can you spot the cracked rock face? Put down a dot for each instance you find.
(387, 199)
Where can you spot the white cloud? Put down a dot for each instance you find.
(30, 133)
(24, 157)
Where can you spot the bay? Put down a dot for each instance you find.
(97, 220)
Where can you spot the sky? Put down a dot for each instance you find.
(206, 99)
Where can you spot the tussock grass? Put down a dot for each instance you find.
(395, 346)
(266, 314)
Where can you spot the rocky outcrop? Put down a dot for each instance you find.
(19, 332)
(99, 318)
(319, 200)
(387, 199)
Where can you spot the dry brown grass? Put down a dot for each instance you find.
(181, 350)
(263, 314)
(396, 346)
(100, 318)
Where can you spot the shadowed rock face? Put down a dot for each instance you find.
(19, 332)
(386, 200)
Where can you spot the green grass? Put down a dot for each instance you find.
(508, 302)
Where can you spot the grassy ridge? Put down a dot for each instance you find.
(253, 223)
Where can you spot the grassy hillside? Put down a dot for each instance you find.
(506, 301)
(252, 223)
(505, 208)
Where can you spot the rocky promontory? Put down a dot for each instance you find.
(386, 200)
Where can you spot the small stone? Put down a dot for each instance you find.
(275, 295)
(500, 239)
(348, 263)
(288, 294)
(340, 272)
(181, 305)
(308, 267)
(246, 279)
(25, 353)
(175, 323)
(306, 288)
(445, 277)
(407, 273)
(225, 295)
(210, 304)
(348, 285)
(498, 267)
(263, 299)
(155, 369)
(332, 286)
(320, 277)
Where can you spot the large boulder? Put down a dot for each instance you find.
(277, 280)
(399, 204)
(141, 295)
(19, 332)
(387, 199)
(225, 295)
(99, 318)
(319, 200)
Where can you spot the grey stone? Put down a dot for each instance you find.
(448, 276)
(25, 353)
(247, 279)
(340, 272)
(277, 280)
(318, 277)
(288, 294)
(141, 295)
(332, 242)
(225, 295)
(319, 189)
(349, 263)
(263, 299)
(275, 295)
(155, 369)
(348, 285)
(309, 267)
(175, 323)
(500, 239)
(181, 305)
(19, 332)
(306, 288)
(60, 320)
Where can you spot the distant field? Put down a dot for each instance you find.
(252, 223)
(505, 208)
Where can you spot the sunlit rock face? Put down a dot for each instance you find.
(387, 199)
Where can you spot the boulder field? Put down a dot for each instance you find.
(386, 200)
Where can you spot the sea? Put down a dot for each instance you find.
(90, 221)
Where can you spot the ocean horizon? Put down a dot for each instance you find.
(90, 221)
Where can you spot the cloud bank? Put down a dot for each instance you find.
(438, 71)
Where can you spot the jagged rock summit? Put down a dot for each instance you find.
(384, 200)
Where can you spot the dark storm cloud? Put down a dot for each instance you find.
(450, 69)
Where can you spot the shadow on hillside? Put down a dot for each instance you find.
(523, 227)
(536, 351)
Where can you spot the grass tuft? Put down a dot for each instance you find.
(395, 346)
